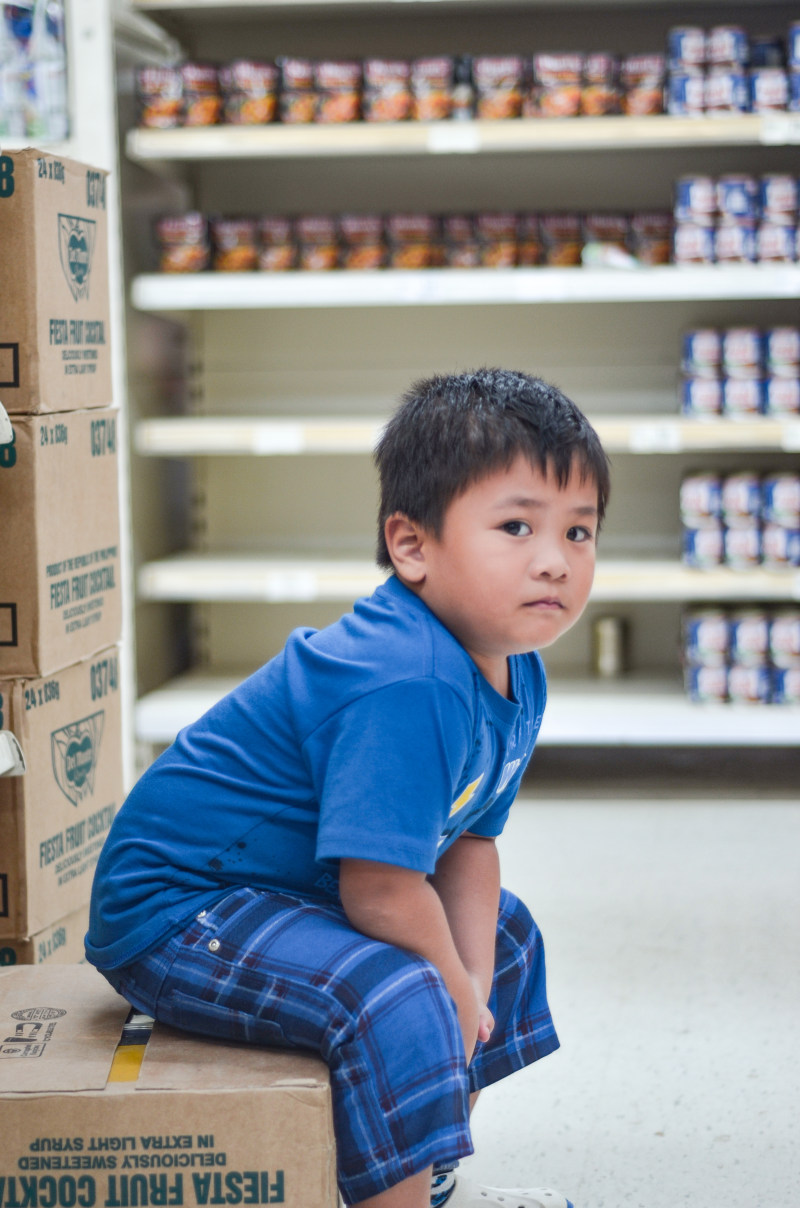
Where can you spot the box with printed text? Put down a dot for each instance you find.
(60, 593)
(54, 818)
(93, 1114)
(60, 943)
(54, 325)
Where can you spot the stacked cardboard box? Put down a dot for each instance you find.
(94, 1113)
(60, 570)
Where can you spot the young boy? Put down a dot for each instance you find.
(312, 864)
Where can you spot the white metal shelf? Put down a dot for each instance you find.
(281, 7)
(242, 578)
(478, 137)
(462, 287)
(626, 712)
(198, 436)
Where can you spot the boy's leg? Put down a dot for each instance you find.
(268, 969)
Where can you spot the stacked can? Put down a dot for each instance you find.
(724, 70)
(793, 63)
(741, 520)
(736, 219)
(747, 655)
(741, 371)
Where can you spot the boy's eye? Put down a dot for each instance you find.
(517, 528)
(579, 533)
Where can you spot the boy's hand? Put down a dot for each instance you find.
(485, 1024)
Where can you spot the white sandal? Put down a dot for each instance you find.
(466, 1194)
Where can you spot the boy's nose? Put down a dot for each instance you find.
(550, 562)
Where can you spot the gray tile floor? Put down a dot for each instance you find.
(673, 936)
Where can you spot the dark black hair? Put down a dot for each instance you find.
(452, 430)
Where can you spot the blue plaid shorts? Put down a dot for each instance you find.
(271, 969)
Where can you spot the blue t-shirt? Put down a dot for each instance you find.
(377, 738)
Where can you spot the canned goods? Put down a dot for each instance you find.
(686, 92)
(781, 546)
(775, 243)
(784, 638)
(742, 396)
(703, 547)
(742, 352)
(609, 647)
(701, 396)
(786, 686)
(726, 90)
(782, 396)
(781, 347)
(735, 243)
(234, 244)
(701, 498)
(702, 352)
(766, 50)
(778, 197)
(727, 44)
(742, 545)
(159, 92)
(738, 196)
(769, 89)
(793, 104)
(693, 243)
(686, 44)
(707, 685)
(695, 199)
(706, 637)
(741, 497)
(749, 685)
(781, 494)
(793, 45)
(749, 637)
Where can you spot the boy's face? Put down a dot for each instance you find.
(513, 566)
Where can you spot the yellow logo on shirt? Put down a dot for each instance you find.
(467, 795)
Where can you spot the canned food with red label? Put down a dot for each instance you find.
(727, 44)
(769, 89)
(687, 44)
(159, 92)
(775, 243)
(778, 197)
(735, 242)
(701, 498)
(693, 243)
(726, 90)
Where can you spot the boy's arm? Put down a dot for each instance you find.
(401, 907)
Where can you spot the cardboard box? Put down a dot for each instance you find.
(60, 593)
(54, 331)
(59, 944)
(198, 1123)
(54, 818)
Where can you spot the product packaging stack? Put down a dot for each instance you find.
(60, 572)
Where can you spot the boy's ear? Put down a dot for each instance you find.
(405, 542)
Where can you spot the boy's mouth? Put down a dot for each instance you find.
(546, 602)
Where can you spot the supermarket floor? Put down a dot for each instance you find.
(670, 904)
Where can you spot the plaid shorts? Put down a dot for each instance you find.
(271, 969)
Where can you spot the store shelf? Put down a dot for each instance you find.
(525, 136)
(199, 436)
(267, 578)
(461, 287)
(281, 7)
(625, 712)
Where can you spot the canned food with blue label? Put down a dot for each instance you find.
(686, 92)
(749, 637)
(703, 545)
(782, 351)
(749, 685)
(742, 396)
(775, 243)
(727, 44)
(742, 545)
(786, 686)
(784, 638)
(778, 197)
(702, 352)
(701, 498)
(701, 396)
(781, 493)
(769, 89)
(735, 242)
(706, 637)
(693, 243)
(738, 196)
(782, 396)
(687, 44)
(695, 198)
(706, 685)
(741, 497)
(793, 45)
(742, 352)
(781, 546)
(727, 90)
